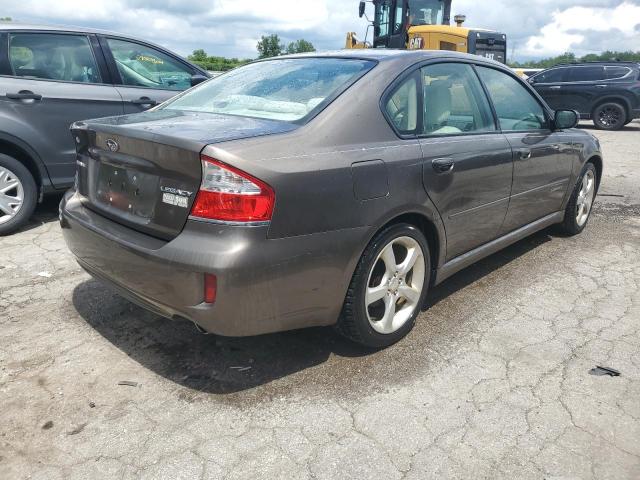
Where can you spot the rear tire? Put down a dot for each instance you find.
(609, 116)
(18, 194)
(580, 204)
(388, 288)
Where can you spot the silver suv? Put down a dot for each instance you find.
(51, 77)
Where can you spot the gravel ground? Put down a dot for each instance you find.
(493, 382)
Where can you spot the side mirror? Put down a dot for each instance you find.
(531, 80)
(361, 9)
(196, 79)
(566, 119)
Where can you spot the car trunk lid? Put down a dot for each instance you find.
(144, 170)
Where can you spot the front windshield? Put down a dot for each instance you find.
(285, 89)
(426, 12)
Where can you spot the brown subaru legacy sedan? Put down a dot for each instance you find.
(323, 189)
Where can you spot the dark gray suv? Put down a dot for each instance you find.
(325, 189)
(53, 76)
(606, 92)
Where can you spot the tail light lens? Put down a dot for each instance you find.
(231, 195)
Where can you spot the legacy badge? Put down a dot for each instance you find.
(175, 196)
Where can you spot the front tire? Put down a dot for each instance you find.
(609, 116)
(18, 194)
(580, 204)
(388, 288)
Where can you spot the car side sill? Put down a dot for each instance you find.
(463, 261)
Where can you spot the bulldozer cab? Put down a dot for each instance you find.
(393, 18)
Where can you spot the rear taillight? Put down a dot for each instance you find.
(231, 195)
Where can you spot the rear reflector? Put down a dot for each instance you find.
(210, 287)
(231, 195)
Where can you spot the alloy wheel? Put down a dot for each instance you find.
(585, 197)
(394, 286)
(610, 116)
(11, 195)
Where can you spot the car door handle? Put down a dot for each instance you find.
(144, 101)
(602, 86)
(555, 87)
(525, 154)
(24, 95)
(442, 165)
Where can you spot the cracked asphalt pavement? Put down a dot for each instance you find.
(493, 382)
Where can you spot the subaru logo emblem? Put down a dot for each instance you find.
(112, 145)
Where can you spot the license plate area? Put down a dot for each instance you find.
(127, 191)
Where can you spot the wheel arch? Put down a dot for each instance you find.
(25, 155)
(597, 162)
(431, 228)
(612, 99)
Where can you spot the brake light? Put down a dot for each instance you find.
(231, 195)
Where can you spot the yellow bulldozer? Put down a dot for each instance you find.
(426, 24)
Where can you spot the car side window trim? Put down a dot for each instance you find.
(415, 70)
(8, 71)
(115, 73)
(529, 90)
(564, 82)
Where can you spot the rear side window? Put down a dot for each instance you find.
(454, 101)
(555, 75)
(516, 108)
(143, 66)
(50, 56)
(402, 106)
(586, 74)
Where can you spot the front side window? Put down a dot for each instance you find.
(282, 89)
(51, 56)
(555, 75)
(143, 66)
(454, 101)
(402, 106)
(516, 108)
(586, 74)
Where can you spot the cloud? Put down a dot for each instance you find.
(587, 30)
(232, 27)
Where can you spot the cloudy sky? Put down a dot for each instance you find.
(536, 28)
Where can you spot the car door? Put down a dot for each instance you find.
(145, 75)
(550, 85)
(543, 158)
(54, 80)
(468, 166)
(583, 85)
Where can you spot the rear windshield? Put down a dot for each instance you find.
(282, 89)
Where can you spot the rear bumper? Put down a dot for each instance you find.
(263, 286)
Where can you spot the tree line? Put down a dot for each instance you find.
(268, 46)
(569, 57)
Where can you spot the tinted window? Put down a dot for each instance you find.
(454, 101)
(586, 74)
(143, 66)
(555, 75)
(402, 106)
(517, 109)
(53, 57)
(612, 73)
(285, 89)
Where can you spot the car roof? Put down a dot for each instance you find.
(390, 55)
(600, 62)
(55, 28)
